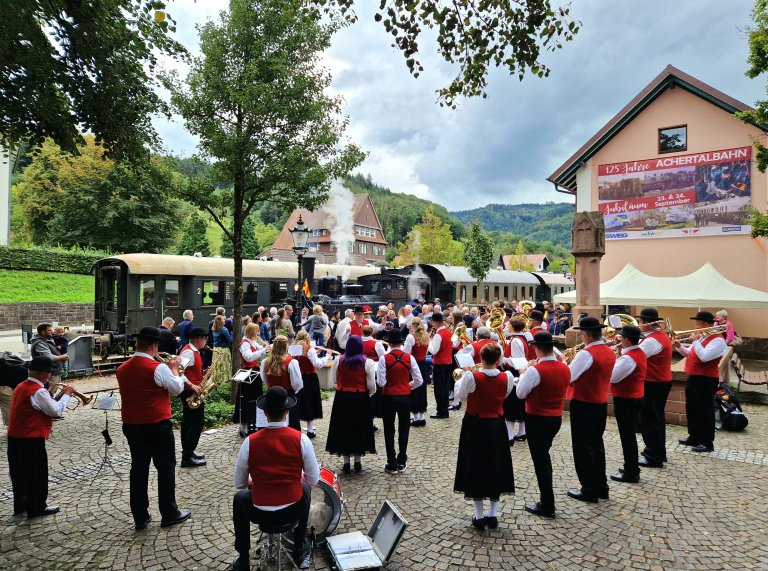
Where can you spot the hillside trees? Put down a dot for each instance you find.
(193, 238)
(430, 242)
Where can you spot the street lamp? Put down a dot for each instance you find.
(300, 236)
(564, 267)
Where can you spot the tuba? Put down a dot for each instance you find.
(496, 324)
(611, 322)
(570, 353)
(527, 306)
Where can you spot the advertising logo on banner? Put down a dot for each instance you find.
(702, 194)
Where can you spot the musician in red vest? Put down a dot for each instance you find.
(473, 349)
(281, 465)
(356, 324)
(536, 322)
(373, 350)
(588, 392)
(252, 348)
(484, 462)
(192, 418)
(627, 385)
(702, 361)
(398, 374)
(32, 413)
(281, 370)
(145, 385)
(441, 348)
(658, 380)
(514, 407)
(543, 387)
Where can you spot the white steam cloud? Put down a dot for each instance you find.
(339, 208)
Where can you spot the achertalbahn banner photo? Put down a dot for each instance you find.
(701, 194)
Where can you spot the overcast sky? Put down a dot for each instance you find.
(501, 149)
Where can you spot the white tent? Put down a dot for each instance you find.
(706, 287)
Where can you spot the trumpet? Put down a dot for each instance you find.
(85, 399)
(705, 332)
(164, 357)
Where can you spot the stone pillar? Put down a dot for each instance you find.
(588, 246)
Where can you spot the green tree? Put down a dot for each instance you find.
(478, 253)
(266, 234)
(430, 242)
(89, 200)
(257, 99)
(758, 65)
(250, 243)
(193, 238)
(518, 261)
(72, 66)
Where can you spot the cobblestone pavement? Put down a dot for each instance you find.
(701, 512)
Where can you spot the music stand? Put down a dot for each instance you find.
(106, 403)
(248, 377)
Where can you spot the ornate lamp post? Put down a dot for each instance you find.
(300, 236)
(564, 268)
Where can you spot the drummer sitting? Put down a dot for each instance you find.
(274, 459)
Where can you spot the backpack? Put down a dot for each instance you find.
(728, 413)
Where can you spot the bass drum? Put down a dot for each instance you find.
(325, 506)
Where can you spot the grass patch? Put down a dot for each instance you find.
(215, 236)
(28, 286)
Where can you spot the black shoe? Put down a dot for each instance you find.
(180, 517)
(478, 524)
(603, 495)
(311, 434)
(401, 468)
(346, 469)
(390, 468)
(521, 438)
(581, 496)
(435, 415)
(536, 509)
(702, 448)
(622, 477)
(242, 434)
(19, 512)
(492, 522)
(197, 456)
(192, 462)
(358, 467)
(50, 510)
(511, 442)
(422, 422)
(687, 442)
(141, 525)
(300, 558)
(415, 423)
(645, 463)
(455, 407)
(241, 564)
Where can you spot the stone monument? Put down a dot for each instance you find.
(588, 246)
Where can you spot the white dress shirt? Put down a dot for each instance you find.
(251, 351)
(624, 366)
(43, 401)
(468, 384)
(316, 361)
(187, 357)
(434, 344)
(416, 379)
(517, 350)
(650, 346)
(714, 349)
(379, 347)
(310, 475)
(348, 329)
(530, 379)
(582, 361)
(164, 377)
(294, 373)
(370, 375)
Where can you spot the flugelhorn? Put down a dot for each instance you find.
(85, 399)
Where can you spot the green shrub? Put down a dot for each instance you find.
(75, 261)
(218, 411)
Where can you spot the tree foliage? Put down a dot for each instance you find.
(518, 261)
(478, 252)
(251, 248)
(430, 242)
(72, 66)
(91, 201)
(193, 238)
(758, 65)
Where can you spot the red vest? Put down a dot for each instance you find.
(547, 398)
(356, 329)
(632, 386)
(695, 366)
(283, 380)
(306, 366)
(535, 330)
(445, 353)
(488, 397)
(194, 372)
(476, 346)
(275, 464)
(592, 385)
(521, 339)
(243, 363)
(660, 364)
(398, 374)
(143, 402)
(352, 380)
(26, 421)
(419, 352)
(369, 348)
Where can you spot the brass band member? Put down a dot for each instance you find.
(310, 402)
(483, 339)
(192, 418)
(658, 380)
(514, 407)
(441, 348)
(252, 349)
(417, 345)
(702, 359)
(281, 370)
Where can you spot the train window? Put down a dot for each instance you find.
(386, 284)
(474, 293)
(278, 291)
(250, 293)
(213, 293)
(487, 293)
(375, 286)
(463, 294)
(147, 293)
(495, 292)
(400, 284)
(172, 293)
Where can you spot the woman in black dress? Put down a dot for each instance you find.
(310, 403)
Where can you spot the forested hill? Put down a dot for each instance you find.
(540, 222)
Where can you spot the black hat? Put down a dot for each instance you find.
(631, 332)
(395, 337)
(358, 309)
(704, 316)
(509, 311)
(436, 316)
(589, 324)
(40, 364)
(276, 399)
(536, 315)
(148, 334)
(198, 332)
(648, 314)
(543, 338)
(539, 307)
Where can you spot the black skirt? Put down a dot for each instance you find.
(250, 392)
(310, 403)
(419, 394)
(514, 408)
(484, 463)
(375, 402)
(350, 430)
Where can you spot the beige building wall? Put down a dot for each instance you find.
(740, 258)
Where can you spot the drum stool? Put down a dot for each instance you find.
(274, 547)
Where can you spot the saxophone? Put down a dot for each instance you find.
(206, 386)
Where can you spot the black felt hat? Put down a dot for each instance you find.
(395, 337)
(543, 338)
(704, 316)
(198, 332)
(358, 309)
(536, 315)
(276, 399)
(148, 334)
(631, 332)
(648, 314)
(437, 317)
(589, 324)
(40, 364)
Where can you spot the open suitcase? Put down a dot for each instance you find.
(351, 551)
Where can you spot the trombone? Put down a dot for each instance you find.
(705, 332)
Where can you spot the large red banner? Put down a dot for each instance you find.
(663, 163)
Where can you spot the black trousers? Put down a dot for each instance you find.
(652, 421)
(442, 378)
(244, 513)
(191, 425)
(541, 431)
(587, 428)
(152, 443)
(28, 467)
(700, 408)
(625, 411)
(392, 406)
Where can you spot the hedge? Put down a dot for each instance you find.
(49, 259)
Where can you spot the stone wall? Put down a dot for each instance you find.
(13, 315)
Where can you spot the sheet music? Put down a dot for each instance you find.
(519, 363)
(464, 360)
(295, 350)
(354, 551)
(107, 402)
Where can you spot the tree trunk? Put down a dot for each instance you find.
(237, 249)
